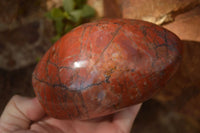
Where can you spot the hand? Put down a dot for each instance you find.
(25, 115)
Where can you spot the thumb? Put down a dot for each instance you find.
(19, 113)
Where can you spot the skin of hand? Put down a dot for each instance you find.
(25, 115)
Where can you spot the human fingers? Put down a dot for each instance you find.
(19, 113)
(125, 118)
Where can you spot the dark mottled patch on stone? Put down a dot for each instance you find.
(2, 47)
(154, 117)
(24, 34)
(15, 82)
(15, 10)
(11, 62)
(28, 7)
(40, 49)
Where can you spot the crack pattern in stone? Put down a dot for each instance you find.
(101, 67)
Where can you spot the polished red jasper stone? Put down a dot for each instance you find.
(101, 67)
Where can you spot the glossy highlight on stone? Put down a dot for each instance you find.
(102, 67)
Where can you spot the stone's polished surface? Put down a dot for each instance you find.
(101, 67)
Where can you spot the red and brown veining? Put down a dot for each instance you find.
(101, 67)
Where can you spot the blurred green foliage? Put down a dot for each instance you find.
(70, 15)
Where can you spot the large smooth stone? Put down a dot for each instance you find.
(102, 67)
